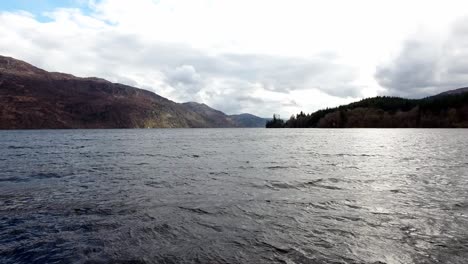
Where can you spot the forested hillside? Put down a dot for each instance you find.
(444, 110)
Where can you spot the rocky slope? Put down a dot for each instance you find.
(32, 98)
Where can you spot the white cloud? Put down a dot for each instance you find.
(239, 56)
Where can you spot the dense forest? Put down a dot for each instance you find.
(445, 110)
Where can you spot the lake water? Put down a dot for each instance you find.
(234, 196)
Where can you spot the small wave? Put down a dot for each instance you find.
(100, 211)
(317, 183)
(194, 210)
(352, 206)
(154, 184)
(214, 227)
(277, 248)
(317, 206)
(45, 176)
(282, 185)
(278, 167)
(78, 147)
(127, 261)
(350, 155)
(20, 147)
(13, 179)
(219, 173)
(462, 205)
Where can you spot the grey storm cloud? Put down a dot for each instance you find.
(428, 65)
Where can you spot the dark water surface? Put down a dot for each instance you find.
(234, 196)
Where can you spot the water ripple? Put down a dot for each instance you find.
(234, 196)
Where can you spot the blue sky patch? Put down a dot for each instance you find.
(39, 7)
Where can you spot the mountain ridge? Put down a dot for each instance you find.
(32, 98)
(238, 120)
(454, 91)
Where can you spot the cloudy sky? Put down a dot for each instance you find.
(256, 56)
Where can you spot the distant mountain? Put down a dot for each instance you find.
(219, 119)
(215, 117)
(248, 120)
(32, 98)
(445, 110)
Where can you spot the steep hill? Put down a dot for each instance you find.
(33, 98)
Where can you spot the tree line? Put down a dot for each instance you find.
(385, 112)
